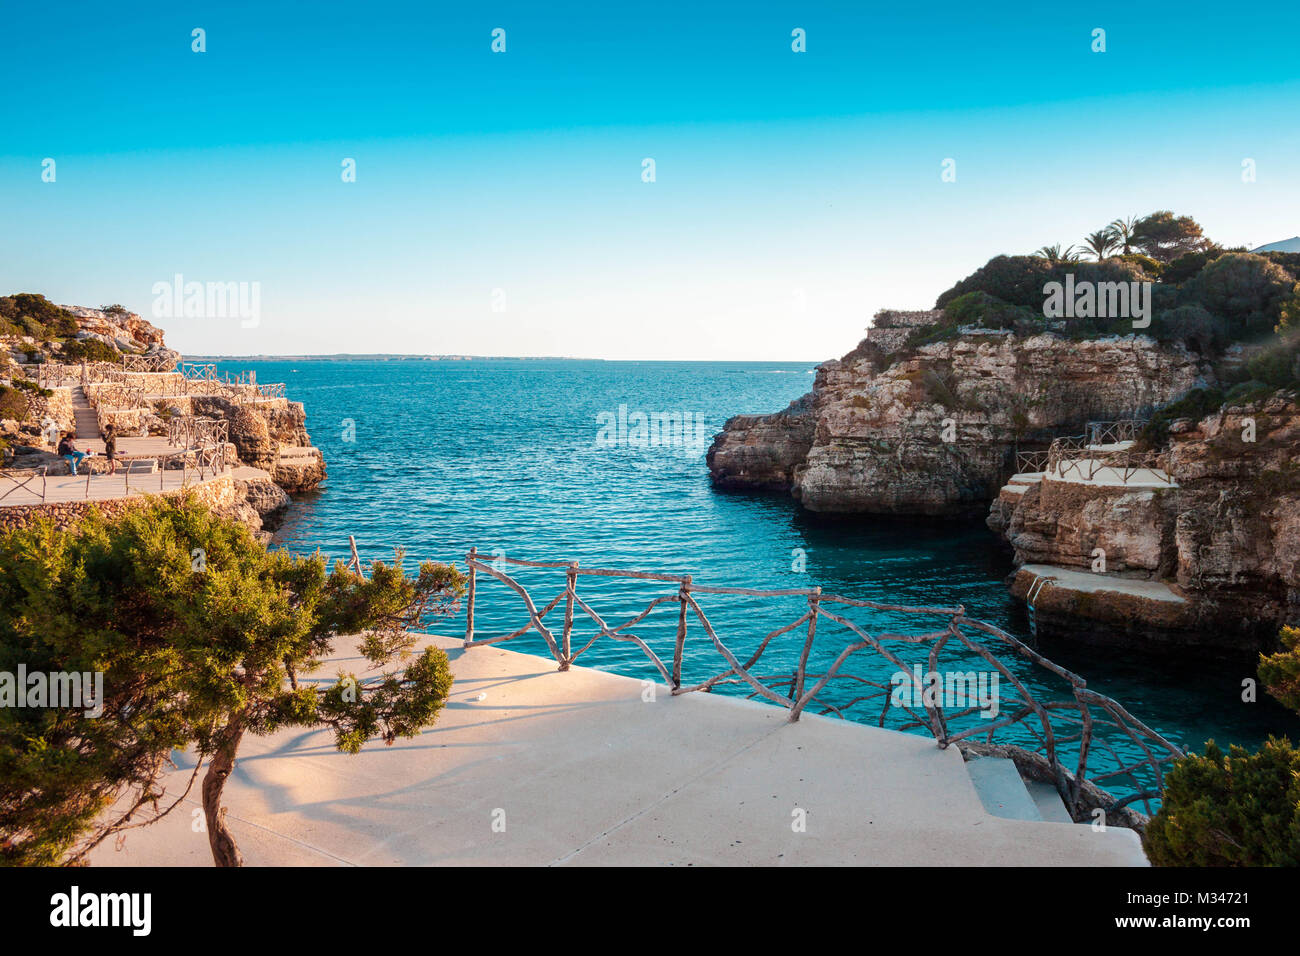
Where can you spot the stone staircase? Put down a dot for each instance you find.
(1005, 794)
(87, 427)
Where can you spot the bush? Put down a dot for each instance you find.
(90, 350)
(1241, 809)
(1290, 261)
(200, 633)
(13, 404)
(1192, 325)
(33, 388)
(1019, 280)
(1195, 405)
(1276, 365)
(1152, 268)
(28, 313)
(1246, 290)
(1280, 672)
(1188, 266)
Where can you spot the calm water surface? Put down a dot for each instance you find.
(436, 457)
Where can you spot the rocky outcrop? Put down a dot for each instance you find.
(265, 497)
(271, 436)
(1225, 536)
(762, 452)
(931, 430)
(124, 331)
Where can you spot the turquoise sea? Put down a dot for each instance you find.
(509, 456)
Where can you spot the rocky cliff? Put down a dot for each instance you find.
(125, 332)
(931, 429)
(1224, 537)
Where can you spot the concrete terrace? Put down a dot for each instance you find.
(144, 478)
(1092, 582)
(582, 770)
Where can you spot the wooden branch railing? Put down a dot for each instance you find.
(1031, 461)
(147, 363)
(23, 479)
(1066, 734)
(1086, 456)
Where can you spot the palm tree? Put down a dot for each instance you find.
(1057, 254)
(1101, 242)
(1124, 231)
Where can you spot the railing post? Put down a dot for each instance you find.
(680, 645)
(570, 590)
(469, 602)
(813, 600)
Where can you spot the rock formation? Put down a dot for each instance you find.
(1225, 537)
(930, 429)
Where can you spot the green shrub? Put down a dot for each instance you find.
(1153, 269)
(1195, 405)
(1188, 266)
(1276, 365)
(28, 313)
(13, 404)
(1280, 672)
(990, 312)
(1290, 261)
(1019, 280)
(1193, 325)
(32, 387)
(195, 656)
(1246, 290)
(1242, 809)
(90, 350)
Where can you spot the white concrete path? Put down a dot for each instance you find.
(581, 770)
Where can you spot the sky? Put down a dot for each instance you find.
(500, 203)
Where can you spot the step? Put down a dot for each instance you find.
(1000, 789)
(1050, 806)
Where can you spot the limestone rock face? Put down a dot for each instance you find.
(271, 436)
(1227, 537)
(127, 328)
(932, 430)
(761, 452)
(264, 496)
(250, 434)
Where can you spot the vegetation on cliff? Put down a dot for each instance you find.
(34, 315)
(200, 634)
(1239, 808)
(1203, 295)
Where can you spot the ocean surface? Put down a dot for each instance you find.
(527, 459)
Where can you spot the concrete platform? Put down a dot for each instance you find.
(1090, 472)
(531, 766)
(1076, 580)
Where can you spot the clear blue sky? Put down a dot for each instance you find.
(795, 193)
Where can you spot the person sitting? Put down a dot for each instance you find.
(69, 451)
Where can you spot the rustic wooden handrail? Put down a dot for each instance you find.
(1054, 725)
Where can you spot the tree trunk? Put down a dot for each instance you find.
(224, 850)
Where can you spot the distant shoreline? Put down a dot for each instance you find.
(382, 357)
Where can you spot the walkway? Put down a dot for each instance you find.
(577, 768)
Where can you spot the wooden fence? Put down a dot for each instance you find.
(1065, 732)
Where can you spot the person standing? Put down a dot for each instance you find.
(110, 448)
